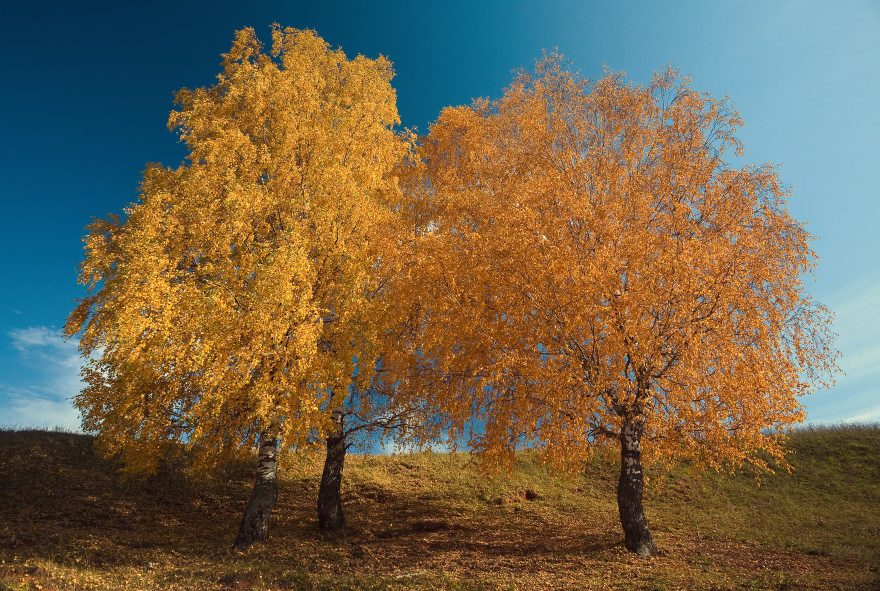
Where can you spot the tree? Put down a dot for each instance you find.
(364, 419)
(594, 271)
(241, 300)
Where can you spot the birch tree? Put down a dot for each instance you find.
(241, 298)
(593, 270)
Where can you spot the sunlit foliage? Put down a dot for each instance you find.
(244, 290)
(590, 261)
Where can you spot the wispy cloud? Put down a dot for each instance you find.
(857, 306)
(871, 415)
(856, 397)
(37, 391)
(46, 343)
(41, 408)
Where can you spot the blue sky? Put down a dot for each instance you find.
(87, 88)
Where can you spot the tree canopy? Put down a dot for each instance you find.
(243, 290)
(575, 262)
(593, 269)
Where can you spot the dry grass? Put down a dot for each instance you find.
(433, 521)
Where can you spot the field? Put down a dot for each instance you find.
(434, 521)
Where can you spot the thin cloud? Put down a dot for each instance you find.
(862, 362)
(856, 396)
(38, 391)
(45, 342)
(869, 416)
(41, 409)
(857, 309)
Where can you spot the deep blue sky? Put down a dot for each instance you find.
(87, 88)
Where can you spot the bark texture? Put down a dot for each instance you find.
(255, 523)
(629, 492)
(330, 516)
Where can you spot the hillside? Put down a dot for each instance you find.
(433, 521)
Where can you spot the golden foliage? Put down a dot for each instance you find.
(583, 259)
(243, 285)
(589, 260)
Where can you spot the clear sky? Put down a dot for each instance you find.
(87, 87)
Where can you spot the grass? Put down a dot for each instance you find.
(434, 521)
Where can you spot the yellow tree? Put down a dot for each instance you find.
(591, 270)
(240, 302)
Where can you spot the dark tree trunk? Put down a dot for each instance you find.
(629, 492)
(330, 517)
(255, 523)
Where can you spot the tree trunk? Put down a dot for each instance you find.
(629, 492)
(255, 523)
(330, 517)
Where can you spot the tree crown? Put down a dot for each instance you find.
(244, 288)
(592, 261)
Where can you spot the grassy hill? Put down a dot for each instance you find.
(433, 521)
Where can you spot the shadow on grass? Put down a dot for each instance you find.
(432, 521)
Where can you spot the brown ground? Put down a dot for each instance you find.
(423, 521)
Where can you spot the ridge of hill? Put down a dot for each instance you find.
(435, 521)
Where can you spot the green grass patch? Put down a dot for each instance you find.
(436, 521)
